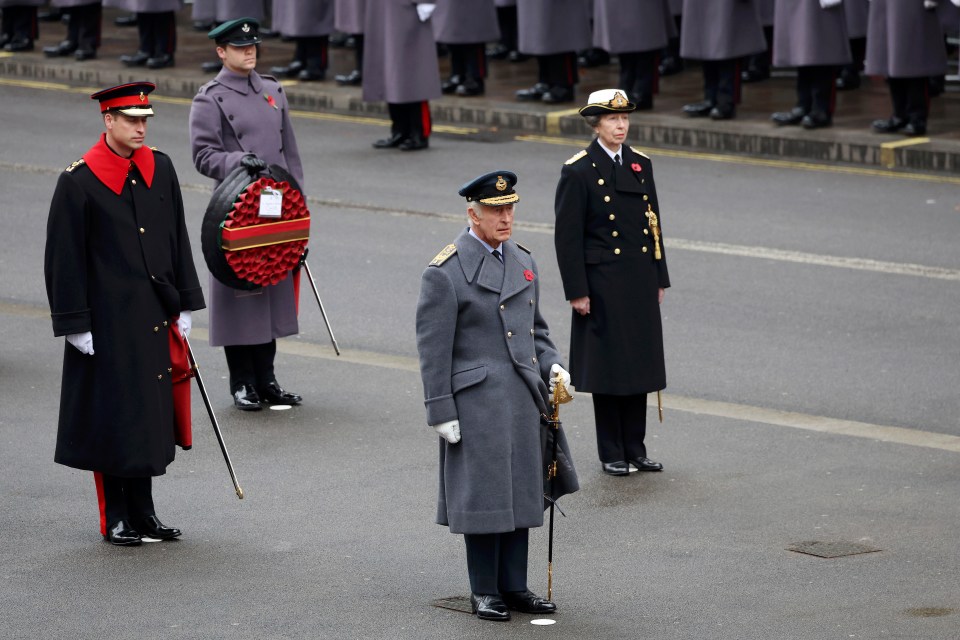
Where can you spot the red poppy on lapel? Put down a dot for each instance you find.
(528, 274)
(270, 100)
(636, 167)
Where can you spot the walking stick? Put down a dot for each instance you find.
(313, 285)
(213, 419)
(560, 396)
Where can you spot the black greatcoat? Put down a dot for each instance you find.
(605, 249)
(119, 266)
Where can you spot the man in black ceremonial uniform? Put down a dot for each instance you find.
(121, 284)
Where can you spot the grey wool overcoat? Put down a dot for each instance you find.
(485, 354)
(805, 35)
(465, 21)
(233, 115)
(856, 12)
(721, 29)
(145, 6)
(399, 54)
(303, 18)
(553, 26)
(642, 25)
(348, 16)
(904, 40)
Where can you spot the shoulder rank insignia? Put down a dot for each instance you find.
(577, 156)
(444, 255)
(640, 153)
(75, 165)
(522, 248)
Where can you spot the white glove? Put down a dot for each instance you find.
(557, 371)
(425, 10)
(930, 4)
(449, 431)
(184, 322)
(826, 4)
(956, 2)
(82, 341)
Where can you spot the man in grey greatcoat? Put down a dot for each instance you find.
(485, 358)
(553, 31)
(309, 24)
(400, 68)
(241, 118)
(719, 33)
(811, 36)
(465, 26)
(905, 45)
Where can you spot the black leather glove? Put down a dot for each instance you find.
(252, 163)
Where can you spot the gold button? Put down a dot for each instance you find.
(153, 277)
(606, 198)
(594, 164)
(613, 217)
(646, 197)
(133, 182)
(509, 334)
(600, 181)
(503, 307)
(169, 369)
(646, 232)
(142, 230)
(164, 323)
(616, 233)
(160, 377)
(616, 251)
(155, 329)
(644, 249)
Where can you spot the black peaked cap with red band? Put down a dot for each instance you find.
(129, 99)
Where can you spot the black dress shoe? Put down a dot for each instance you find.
(126, 21)
(470, 87)
(558, 95)
(528, 602)
(19, 44)
(848, 81)
(516, 56)
(312, 75)
(50, 15)
(450, 85)
(65, 48)
(615, 468)
(754, 75)
(352, 79)
(498, 51)
(533, 93)
(122, 535)
(268, 34)
(245, 398)
(892, 125)
(671, 66)
(489, 607)
(794, 116)
(698, 109)
(415, 142)
(816, 120)
(151, 527)
(4, 39)
(160, 62)
(202, 25)
(136, 60)
(642, 102)
(211, 66)
(646, 464)
(915, 129)
(719, 113)
(272, 393)
(389, 143)
(289, 71)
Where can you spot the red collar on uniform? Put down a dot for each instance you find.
(112, 170)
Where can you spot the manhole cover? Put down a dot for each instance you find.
(831, 549)
(454, 603)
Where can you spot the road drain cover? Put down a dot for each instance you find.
(454, 603)
(831, 549)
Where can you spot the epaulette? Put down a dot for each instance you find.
(522, 248)
(75, 165)
(269, 77)
(444, 255)
(640, 153)
(577, 156)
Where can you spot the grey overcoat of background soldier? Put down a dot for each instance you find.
(465, 21)
(309, 23)
(348, 16)
(808, 35)
(553, 26)
(721, 29)
(209, 12)
(400, 54)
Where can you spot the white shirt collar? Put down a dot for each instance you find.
(619, 151)
(486, 246)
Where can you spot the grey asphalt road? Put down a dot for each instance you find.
(813, 351)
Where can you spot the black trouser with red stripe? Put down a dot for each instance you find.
(558, 69)
(20, 23)
(911, 99)
(721, 83)
(128, 499)
(621, 426)
(639, 76)
(312, 51)
(84, 25)
(469, 61)
(816, 89)
(251, 364)
(158, 33)
(410, 119)
(507, 21)
(497, 562)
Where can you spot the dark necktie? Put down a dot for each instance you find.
(496, 254)
(616, 159)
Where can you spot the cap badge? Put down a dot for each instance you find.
(618, 101)
(501, 184)
(245, 28)
(143, 97)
